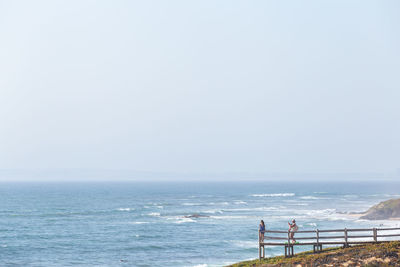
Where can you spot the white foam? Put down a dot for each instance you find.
(309, 197)
(351, 196)
(320, 212)
(139, 222)
(232, 217)
(255, 209)
(191, 204)
(125, 209)
(213, 211)
(185, 220)
(154, 214)
(327, 214)
(274, 195)
(239, 202)
(200, 265)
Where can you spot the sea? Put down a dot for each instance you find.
(198, 224)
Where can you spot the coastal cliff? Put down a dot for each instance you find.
(389, 209)
(381, 254)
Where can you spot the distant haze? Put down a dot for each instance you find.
(259, 87)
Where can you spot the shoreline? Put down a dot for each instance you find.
(359, 215)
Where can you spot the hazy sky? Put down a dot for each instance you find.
(200, 86)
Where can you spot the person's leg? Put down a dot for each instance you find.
(292, 237)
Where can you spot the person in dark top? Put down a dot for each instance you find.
(262, 231)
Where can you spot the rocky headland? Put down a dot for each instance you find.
(389, 209)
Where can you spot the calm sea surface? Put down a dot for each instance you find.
(150, 224)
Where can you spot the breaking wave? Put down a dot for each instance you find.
(274, 195)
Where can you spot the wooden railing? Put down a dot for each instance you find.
(319, 238)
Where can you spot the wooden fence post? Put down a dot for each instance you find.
(288, 234)
(259, 244)
(345, 238)
(375, 234)
(263, 254)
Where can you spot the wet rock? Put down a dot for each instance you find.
(196, 215)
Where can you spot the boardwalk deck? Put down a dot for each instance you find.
(324, 237)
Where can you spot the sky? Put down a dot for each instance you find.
(200, 86)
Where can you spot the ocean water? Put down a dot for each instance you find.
(149, 224)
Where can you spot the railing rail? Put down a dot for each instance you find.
(320, 238)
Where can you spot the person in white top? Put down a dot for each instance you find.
(292, 229)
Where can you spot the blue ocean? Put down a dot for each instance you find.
(168, 224)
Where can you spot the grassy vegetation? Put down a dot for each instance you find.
(381, 254)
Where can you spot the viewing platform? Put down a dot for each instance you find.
(318, 238)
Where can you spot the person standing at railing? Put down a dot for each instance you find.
(293, 228)
(262, 231)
